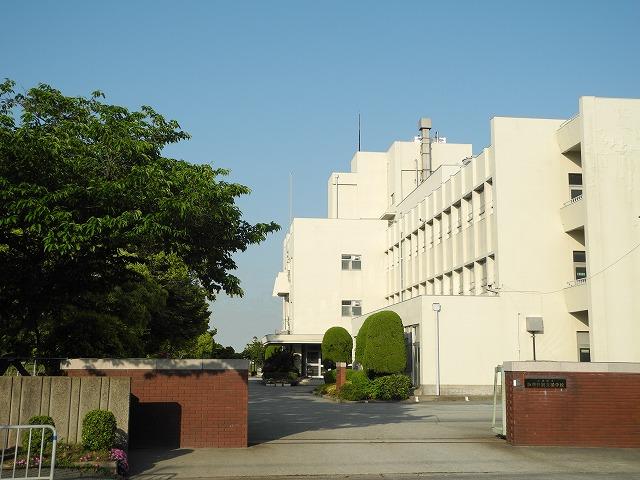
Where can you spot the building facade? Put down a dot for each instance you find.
(544, 222)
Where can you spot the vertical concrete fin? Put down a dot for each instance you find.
(74, 411)
(45, 404)
(119, 398)
(59, 408)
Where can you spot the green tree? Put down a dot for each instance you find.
(337, 345)
(385, 351)
(86, 198)
(271, 350)
(254, 351)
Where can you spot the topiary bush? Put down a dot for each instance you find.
(337, 345)
(36, 435)
(98, 430)
(361, 340)
(271, 350)
(385, 351)
(391, 387)
(356, 388)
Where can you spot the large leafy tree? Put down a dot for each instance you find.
(104, 242)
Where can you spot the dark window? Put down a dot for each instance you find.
(575, 179)
(585, 354)
(581, 272)
(579, 256)
(575, 192)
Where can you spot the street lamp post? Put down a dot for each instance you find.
(436, 308)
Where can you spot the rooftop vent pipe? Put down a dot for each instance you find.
(424, 125)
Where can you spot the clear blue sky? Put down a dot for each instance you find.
(272, 87)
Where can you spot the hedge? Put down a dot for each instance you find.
(391, 387)
(385, 351)
(357, 386)
(98, 430)
(36, 435)
(337, 345)
(361, 340)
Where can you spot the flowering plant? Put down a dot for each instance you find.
(120, 456)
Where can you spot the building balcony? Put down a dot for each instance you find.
(576, 296)
(281, 287)
(569, 135)
(573, 214)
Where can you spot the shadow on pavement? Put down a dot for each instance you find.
(277, 412)
(142, 460)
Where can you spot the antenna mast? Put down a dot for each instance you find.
(359, 138)
(290, 197)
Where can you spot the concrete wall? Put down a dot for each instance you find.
(361, 193)
(179, 403)
(610, 154)
(319, 285)
(66, 400)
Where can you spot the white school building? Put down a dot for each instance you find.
(545, 222)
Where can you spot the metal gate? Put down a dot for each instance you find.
(412, 344)
(499, 425)
(24, 451)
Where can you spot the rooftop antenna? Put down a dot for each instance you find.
(290, 197)
(359, 135)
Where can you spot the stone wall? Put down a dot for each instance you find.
(573, 404)
(66, 400)
(180, 403)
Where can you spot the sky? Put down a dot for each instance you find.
(273, 88)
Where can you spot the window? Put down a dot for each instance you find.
(575, 185)
(351, 262)
(480, 201)
(584, 350)
(392, 199)
(351, 308)
(580, 264)
(483, 275)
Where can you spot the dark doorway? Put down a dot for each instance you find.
(154, 424)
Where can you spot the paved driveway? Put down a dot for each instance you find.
(291, 432)
(293, 414)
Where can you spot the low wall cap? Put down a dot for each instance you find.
(572, 367)
(154, 364)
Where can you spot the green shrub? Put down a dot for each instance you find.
(361, 340)
(98, 430)
(36, 435)
(337, 345)
(356, 387)
(391, 387)
(321, 389)
(385, 352)
(330, 376)
(271, 350)
(280, 362)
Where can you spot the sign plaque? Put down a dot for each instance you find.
(545, 383)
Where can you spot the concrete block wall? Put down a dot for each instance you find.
(180, 403)
(599, 407)
(66, 400)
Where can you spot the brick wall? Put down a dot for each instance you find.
(597, 409)
(183, 407)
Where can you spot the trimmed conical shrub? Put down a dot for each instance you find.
(384, 351)
(337, 345)
(361, 340)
